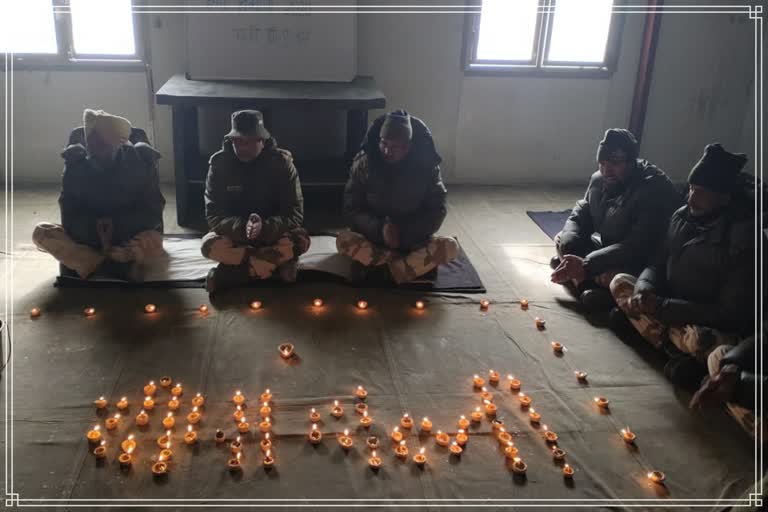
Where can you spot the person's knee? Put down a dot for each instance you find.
(449, 249)
(43, 232)
(347, 240)
(717, 355)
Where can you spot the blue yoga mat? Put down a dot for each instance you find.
(550, 222)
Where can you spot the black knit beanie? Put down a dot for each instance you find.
(717, 170)
(617, 144)
(397, 125)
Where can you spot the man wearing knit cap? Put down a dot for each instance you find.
(254, 208)
(111, 204)
(618, 224)
(395, 202)
(699, 293)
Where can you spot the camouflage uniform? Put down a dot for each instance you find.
(268, 186)
(410, 194)
(127, 193)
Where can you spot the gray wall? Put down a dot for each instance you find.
(490, 130)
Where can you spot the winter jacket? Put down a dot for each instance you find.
(410, 193)
(268, 186)
(630, 224)
(128, 192)
(706, 270)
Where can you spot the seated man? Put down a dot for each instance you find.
(111, 204)
(699, 294)
(618, 223)
(395, 201)
(254, 207)
(733, 378)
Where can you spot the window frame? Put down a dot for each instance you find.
(67, 60)
(538, 66)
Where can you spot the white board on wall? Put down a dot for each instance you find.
(273, 43)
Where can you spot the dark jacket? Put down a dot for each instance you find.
(268, 186)
(706, 270)
(743, 356)
(411, 193)
(128, 192)
(630, 224)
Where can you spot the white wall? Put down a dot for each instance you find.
(491, 130)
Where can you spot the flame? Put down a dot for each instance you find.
(268, 454)
(239, 408)
(510, 444)
(491, 371)
(189, 428)
(151, 383)
(266, 436)
(313, 411)
(160, 458)
(486, 402)
(130, 450)
(422, 451)
(198, 395)
(544, 427)
(360, 388)
(501, 429)
(147, 399)
(238, 393)
(477, 409)
(142, 412)
(567, 466)
(365, 414)
(239, 454)
(170, 414)
(402, 443)
(242, 420)
(393, 430)
(194, 409)
(346, 432)
(374, 454)
(103, 443)
(335, 403)
(650, 475)
(266, 404)
(462, 417)
(101, 398)
(533, 410)
(461, 431)
(117, 416)
(405, 415)
(425, 420)
(267, 391)
(597, 399)
(130, 437)
(438, 432)
(454, 443)
(314, 427)
(123, 399)
(238, 439)
(97, 427)
(484, 389)
(476, 376)
(516, 459)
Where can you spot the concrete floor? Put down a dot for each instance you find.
(509, 251)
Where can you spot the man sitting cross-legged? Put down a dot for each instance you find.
(395, 202)
(254, 208)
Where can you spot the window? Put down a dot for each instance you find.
(542, 37)
(70, 33)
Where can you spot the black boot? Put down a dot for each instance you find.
(685, 372)
(597, 300)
